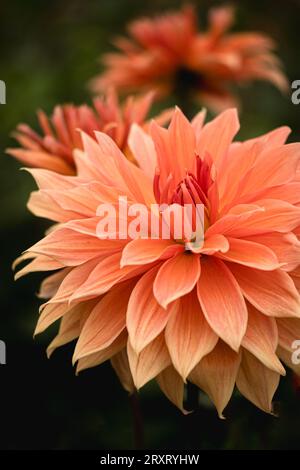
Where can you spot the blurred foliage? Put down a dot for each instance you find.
(49, 51)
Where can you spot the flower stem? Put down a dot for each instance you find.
(137, 420)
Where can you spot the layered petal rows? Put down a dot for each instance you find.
(222, 314)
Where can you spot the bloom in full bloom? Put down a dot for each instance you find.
(54, 149)
(220, 315)
(168, 54)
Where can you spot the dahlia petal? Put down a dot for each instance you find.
(148, 363)
(286, 247)
(222, 302)
(176, 277)
(216, 375)
(46, 179)
(220, 20)
(270, 215)
(141, 251)
(261, 339)
(289, 192)
(78, 200)
(41, 159)
(250, 254)
(137, 182)
(162, 144)
(275, 215)
(197, 123)
(101, 155)
(242, 157)
(182, 140)
(51, 284)
(104, 276)
(70, 327)
(256, 382)
(38, 263)
(234, 219)
(295, 275)
(41, 204)
(71, 248)
(105, 323)
(120, 365)
(172, 386)
(271, 292)
(143, 149)
(73, 280)
(276, 166)
(188, 336)
(49, 315)
(145, 317)
(214, 244)
(273, 167)
(217, 135)
(103, 355)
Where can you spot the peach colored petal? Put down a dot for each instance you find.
(42, 205)
(104, 276)
(42, 160)
(73, 280)
(286, 246)
(105, 323)
(214, 244)
(261, 339)
(95, 359)
(197, 123)
(71, 248)
(216, 375)
(149, 362)
(46, 179)
(216, 137)
(145, 317)
(143, 149)
(49, 315)
(141, 251)
(256, 382)
(131, 177)
(269, 215)
(120, 365)
(51, 284)
(222, 302)
(70, 327)
(176, 277)
(182, 141)
(272, 293)
(188, 336)
(38, 263)
(250, 254)
(172, 386)
(289, 192)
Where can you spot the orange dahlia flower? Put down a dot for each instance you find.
(168, 54)
(220, 314)
(54, 149)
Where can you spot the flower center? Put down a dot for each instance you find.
(192, 190)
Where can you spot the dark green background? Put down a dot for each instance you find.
(49, 51)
